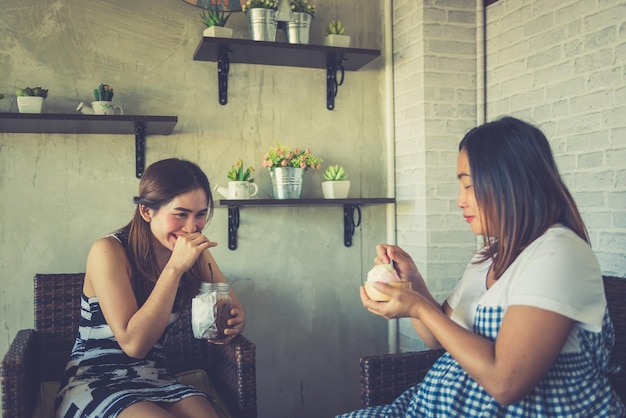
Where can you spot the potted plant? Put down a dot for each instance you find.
(337, 184)
(102, 104)
(335, 35)
(298, 28)
(30, 100)
(287, 169)
(215, 20)
(241, 184)
(261, 19)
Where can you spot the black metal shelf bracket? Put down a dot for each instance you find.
(140, 149)
(223, 66)
(350, 222)
(333, 83)
(233, 226)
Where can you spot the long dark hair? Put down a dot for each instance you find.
(518, 188)
(160, 184)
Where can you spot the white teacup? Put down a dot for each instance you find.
(241, 190)
(105, 108)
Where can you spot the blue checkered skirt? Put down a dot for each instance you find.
(575, 386)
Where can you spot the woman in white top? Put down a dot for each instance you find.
(526, 330)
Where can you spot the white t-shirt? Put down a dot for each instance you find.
(557, 272)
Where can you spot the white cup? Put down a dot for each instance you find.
(241, 190)
(105, 108)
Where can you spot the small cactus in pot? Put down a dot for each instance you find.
(30, 99)
(335, 173)
(337, 184)
(336, 35)
(103, 93)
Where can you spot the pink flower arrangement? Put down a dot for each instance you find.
(281, 156)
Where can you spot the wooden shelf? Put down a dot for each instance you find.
(335, 60)
(351, 212)
(59, 123)
(246, 51)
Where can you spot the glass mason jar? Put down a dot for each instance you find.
(221, 311)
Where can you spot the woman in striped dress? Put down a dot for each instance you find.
(137, 280)
(526, 330)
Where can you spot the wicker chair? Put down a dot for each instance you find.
(40, 354)
(385, 377)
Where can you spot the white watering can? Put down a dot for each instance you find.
(99, 108)
(238, 190)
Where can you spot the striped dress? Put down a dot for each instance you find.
(100, 380)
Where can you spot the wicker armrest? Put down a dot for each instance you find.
(385, 377)
(18, 372)
(234, 374)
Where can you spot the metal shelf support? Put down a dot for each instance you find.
(233, 226)
(223, 66)
(140, 149)
(350, 222)
(333, 83)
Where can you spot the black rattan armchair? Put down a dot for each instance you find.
(385, 377)
(40, 354)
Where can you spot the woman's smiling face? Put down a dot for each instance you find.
(467, 198)
(183, 215)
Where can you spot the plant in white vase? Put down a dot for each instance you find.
(240, 185)
(336, 35)
(30, 100)
(215, 20)
(337, 185)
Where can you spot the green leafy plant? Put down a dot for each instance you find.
(260, 4)
(214, 17)
(32, 91)
(302, 6)
(335, 27)
(237, 173)
(281, 156)
(335, 173)
(103, 93)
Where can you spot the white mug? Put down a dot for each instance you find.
(105, 108)
(241, 190)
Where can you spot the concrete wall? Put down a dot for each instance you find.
(58, 193)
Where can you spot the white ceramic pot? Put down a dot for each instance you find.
(218, 32)
(29, 104)
(342, 41)
(336, 189)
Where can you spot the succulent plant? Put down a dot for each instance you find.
(32, 91)
(237, 173)
(335, 173)
(103, 93)
(335, 27)
(214, 17)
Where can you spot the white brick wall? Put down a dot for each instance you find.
(562, 65)
(558, 64)
(435, 104)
